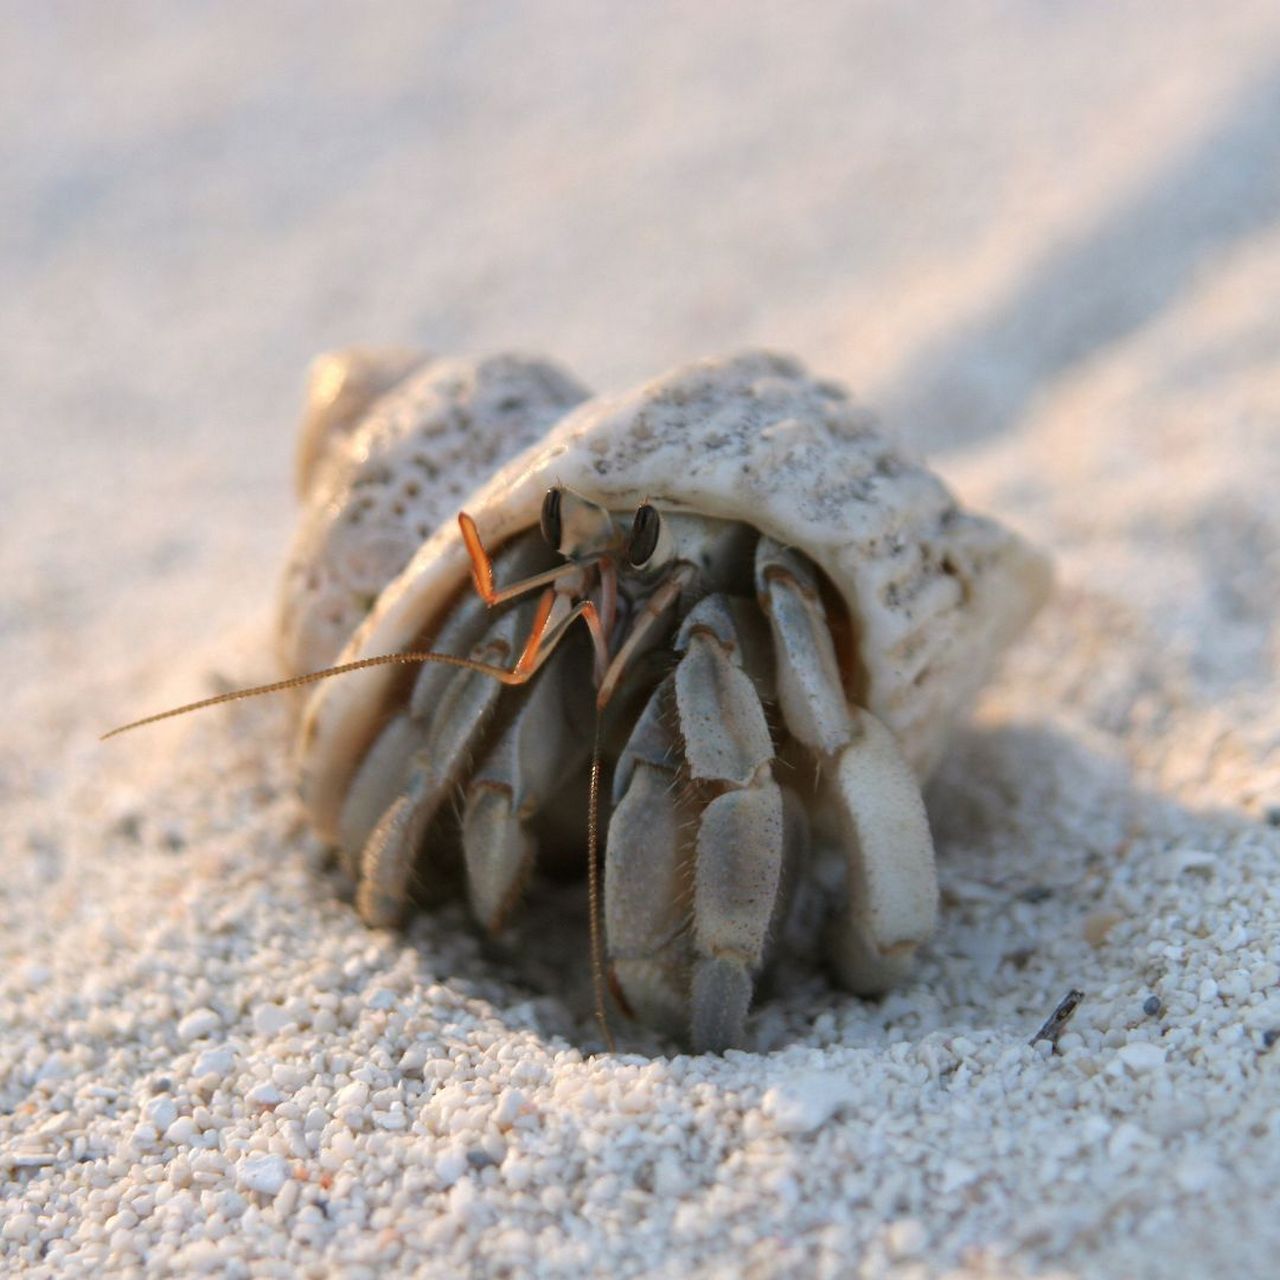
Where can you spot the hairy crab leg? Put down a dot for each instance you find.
(391, 850)
(524, 769)
(740, 843)
(383, 773)
(871, 803)
(648, 866)
(389, 854)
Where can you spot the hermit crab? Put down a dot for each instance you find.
(718, 627)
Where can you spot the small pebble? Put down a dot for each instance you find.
(264, 1173)
(508, 1108)
(1141, 1056)
(414, 1058)
(183, 1131)
(1151, 1006)
(198, 1024)
(18, 1226)
(807, 1100)
(217, 1062)
(264, 1095)
(1098, 925)
(1196, 1174)
(451, 1166)
(270, 1019)
(161, 1113)
(355, 1094)
(31, 1160)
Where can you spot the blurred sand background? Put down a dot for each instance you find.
(1043, 242)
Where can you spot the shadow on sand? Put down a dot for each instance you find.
(1097, 289)
(1043, 847)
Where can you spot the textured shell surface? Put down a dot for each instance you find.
(393, 444)
(934, 593)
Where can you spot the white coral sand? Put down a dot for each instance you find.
(1043, 241)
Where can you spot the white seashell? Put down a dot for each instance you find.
(391, 446)
(932, 594)
(937, 593)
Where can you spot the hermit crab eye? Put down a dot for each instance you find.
(550, 520)
(643, 542)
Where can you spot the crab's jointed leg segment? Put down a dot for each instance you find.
(740, 844)
(384, 771)
(646, 627)
(521, 776)
(697, 842)
(482, 569)
(557, 612)
(870, 805)
(565, 585)
(648, 870)
(390, 853)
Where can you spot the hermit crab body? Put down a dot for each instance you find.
(775, 617)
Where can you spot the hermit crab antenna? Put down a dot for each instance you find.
(517, 676)
(593, 891)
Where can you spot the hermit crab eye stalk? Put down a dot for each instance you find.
(643, 541)
(578, 528)
(649, 543)
(550, 518)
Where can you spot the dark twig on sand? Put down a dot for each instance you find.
(1058, 1019)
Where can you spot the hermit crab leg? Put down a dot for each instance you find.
(482, 569)
(872, 799)
(383, 772)
(648, 870)
(567, 581)
(391, 851)
(644, 629)
(537, 751)
(740, 843)
(549, 628)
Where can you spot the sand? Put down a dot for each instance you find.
(1043, 243)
